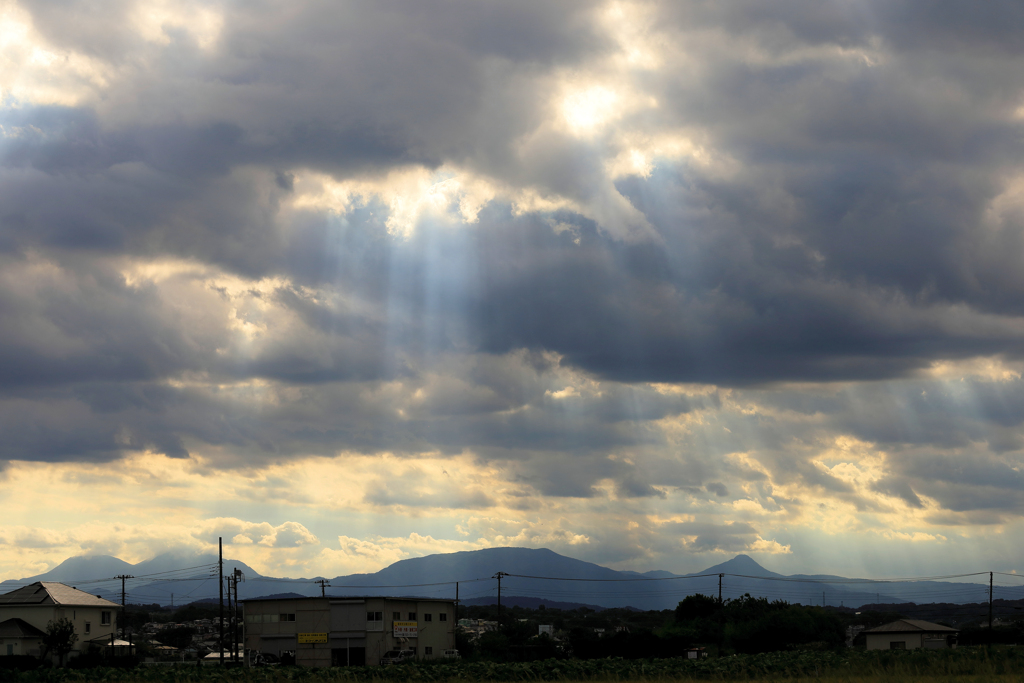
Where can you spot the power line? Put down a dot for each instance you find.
(646, 578)
(840, 580)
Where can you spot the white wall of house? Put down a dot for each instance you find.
(20, 646)
(88, 620)
(884, 641)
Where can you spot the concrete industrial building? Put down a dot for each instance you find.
(25, 612)
(348, 631)
(910, 634)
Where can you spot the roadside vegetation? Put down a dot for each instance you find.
(997, 663)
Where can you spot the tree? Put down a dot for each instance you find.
(493, 645)
(464, 643)
(60, 637)
(697, 606)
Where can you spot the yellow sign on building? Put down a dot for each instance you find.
(307, 638)
(406, 629)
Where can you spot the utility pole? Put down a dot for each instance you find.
(456, 604)
(498, 577)
(231, 622)
(123, 618)
(990, 634)
(220, 586)
(720, 588)
(323, 584)
(238, 575)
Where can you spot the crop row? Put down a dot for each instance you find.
(797, 664)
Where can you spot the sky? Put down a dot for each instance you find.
(650, 284)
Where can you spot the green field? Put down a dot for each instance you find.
(965, 664)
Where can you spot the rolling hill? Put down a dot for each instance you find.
(537, 574)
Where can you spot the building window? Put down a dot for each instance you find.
(898, 645)
(397, 616)
(428, 650)
(287, 617)
(428, 617)
(412, 616)
(104, 618)
(88, 628)
(442, 617)
(375, 616)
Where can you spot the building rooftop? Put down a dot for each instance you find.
(105, 641)
(910, 626)
(349, 598)
(16, 628)
(53, 593)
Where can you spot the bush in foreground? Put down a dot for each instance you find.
(887, 665)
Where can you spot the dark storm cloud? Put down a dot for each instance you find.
(732, 537)
(943, 414)
(749, 312)
(906, 24)
(852, 285)
(420, 410)
(329, 85)
(846, 227)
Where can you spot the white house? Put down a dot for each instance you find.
(34, 606)
(910, 634)
(18, 637)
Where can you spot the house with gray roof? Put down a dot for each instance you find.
(18, 637)
(910, 634)
(35, 605)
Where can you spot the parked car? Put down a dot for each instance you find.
(396, 656)
(264, 659)
(451, 654)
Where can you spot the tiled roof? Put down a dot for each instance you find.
(105, 640)
(17, 628)
(910, 626)
(53, 593)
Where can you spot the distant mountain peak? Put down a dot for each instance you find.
(84, 566)
(741, 564)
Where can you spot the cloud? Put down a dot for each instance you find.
(544, 272)
(285, 535)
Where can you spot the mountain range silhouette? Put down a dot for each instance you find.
(538, 574)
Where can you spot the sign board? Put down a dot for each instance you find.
(307, 638)
(406, 629)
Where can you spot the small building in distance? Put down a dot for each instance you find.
(39, 603)
(18, 637)
(474, 628)
(910, 634)
(348, 631)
